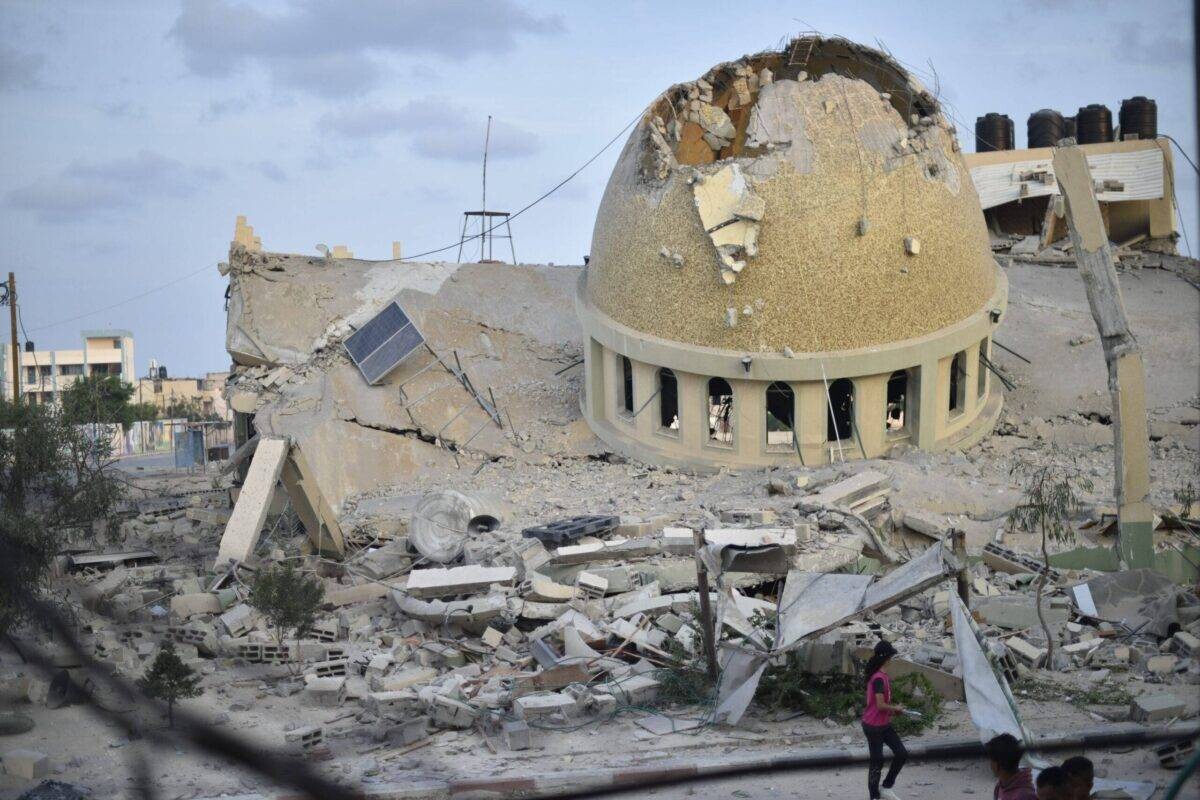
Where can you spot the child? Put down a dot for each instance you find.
(1080, 776)
(877, 724)
(1013, 782)
(1052, 784)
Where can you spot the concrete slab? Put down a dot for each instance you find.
(246, 522)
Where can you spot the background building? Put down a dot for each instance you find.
(45, 373)
(207, 394)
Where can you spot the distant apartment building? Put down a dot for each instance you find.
(43, 374)
(208, 393)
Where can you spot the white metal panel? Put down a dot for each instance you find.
(1140, 171)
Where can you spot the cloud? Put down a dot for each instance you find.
(435, 128)
(86, 189)
(123, 110)
(225, 107)
(270, 170)
(320, 48)
(18, 69)
(1159, 49)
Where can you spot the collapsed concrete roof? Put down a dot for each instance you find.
(816, 190)
(510, 328)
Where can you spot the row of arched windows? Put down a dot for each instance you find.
(780, 422)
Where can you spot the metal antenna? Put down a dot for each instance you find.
(487, 136)
(487, 230)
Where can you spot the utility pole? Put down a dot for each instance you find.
(16, 351)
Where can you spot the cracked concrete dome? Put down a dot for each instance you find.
(811, 199)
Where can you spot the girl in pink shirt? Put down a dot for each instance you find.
(877, 724)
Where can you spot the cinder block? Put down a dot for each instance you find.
(27, 764)
(516, 735)
(1026, 653)
(1155, 708)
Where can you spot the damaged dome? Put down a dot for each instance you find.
(807, 199)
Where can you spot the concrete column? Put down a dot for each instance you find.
(693, 427)
(971, 393)
(593, 367)
(645, 383)
(870, 412)
(926, 403)
(812, 412)
(749, 413)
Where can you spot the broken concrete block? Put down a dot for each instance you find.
(305, 739)
(1162, 665)
(516, 735)
(1026, 653)
(912, 245)
(447, 712)
(239, 620)
(445, 582)
(591, 584)
(186, 606)
(492, 638)
(413, 676)
(246, 522)
(1156, 708)
(26, 764)
(325, 692)
(541, 705)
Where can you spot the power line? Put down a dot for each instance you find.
(120, 303)
(546, 194)
(539, 199)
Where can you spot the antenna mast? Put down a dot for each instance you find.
(487, 137)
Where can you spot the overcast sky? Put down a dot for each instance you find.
(134, 132)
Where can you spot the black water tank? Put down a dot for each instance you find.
(1139, 115)
(162, 373)
(29, 347)
(993, 132)
(1094, 124)
(1068, 127)
(1045, 128)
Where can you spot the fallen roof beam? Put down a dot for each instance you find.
(246, 523)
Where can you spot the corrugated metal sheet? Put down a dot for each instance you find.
(1141, 172)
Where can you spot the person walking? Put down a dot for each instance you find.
(877, 724)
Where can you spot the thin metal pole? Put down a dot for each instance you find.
(1010, 350)
(487, 137)
(16, 350)
(833, 417)
(706, 618)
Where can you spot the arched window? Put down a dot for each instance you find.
(626, 385)
(781, 414)
(720, 411)
(897, 402)
(958, 383)
(839, 425)
(668, 400)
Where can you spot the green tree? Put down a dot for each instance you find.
(1049, 501)
(102, 399)
(289, 599)
(54, 478)
(168, 678)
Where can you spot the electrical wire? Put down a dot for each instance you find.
(120, 303)
(539, 199)
(527, 207)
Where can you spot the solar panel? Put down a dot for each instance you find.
(383, 342)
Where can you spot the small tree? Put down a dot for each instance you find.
(54, 477)
(170, 679)
(288, 599)
(1049, 502)
(101, 399)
